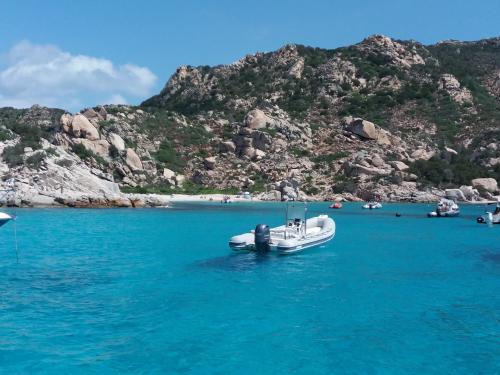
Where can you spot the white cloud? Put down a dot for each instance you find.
(115, 99)
(46, 75)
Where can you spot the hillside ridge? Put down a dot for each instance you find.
(394, 119)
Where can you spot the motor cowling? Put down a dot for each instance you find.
(262, 237)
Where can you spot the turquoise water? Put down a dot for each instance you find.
(158, 291)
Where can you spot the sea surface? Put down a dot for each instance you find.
(158, 291)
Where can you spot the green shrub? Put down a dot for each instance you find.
(66, 163)
(82, 152)
(311, 190)
(345, 186)
(299, 152)
(13, 155)
(35, 160)
(30, 135)
(114, 152)
(169, 156)
(4, 135)
(52, 151)
(188, 187)
(271, 131)
(458, 171)
(85, 154)
(105, 123)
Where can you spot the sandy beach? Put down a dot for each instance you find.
(210, 198)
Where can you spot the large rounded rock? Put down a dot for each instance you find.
(363, 128)
(210, 162)
(168, 174)
(485, 184)
(422, 154)
(456, 194)
(257, 119)
(133, 161)
(82, 128)
(227, 146)
(91, 114)
(399, 166)
(120, 201)
(259, 154)
(248, 152)
(469, 192)
(377, 161)
(273, 195)
(289, 193)
(117, 141)
(65, 122)
(180, 179)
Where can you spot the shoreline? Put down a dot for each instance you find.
(166, 200)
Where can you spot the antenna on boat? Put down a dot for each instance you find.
(305, 218)
(286, 218)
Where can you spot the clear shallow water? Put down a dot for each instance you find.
(158, 291)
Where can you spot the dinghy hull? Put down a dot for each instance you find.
(4, 218)
(285, 239)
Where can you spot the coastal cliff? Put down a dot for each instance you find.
(390, 118)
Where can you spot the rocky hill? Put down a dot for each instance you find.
(395, 119)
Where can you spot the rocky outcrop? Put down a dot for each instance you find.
(455, 194)
(399, 166)
(79, 127)
(363, 128)
(450, 84)
(227, 146)
(168, 174)
(397, 53)
(297, 68)
(116, 141)
(210, 162)
(367, 130)
(489, 185)
(133, 161)
(257, 119)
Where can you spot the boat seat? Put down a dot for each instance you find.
(313, 230)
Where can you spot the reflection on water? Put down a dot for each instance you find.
(491, 256)
(235, 262)
(52, 279)
(247, 261)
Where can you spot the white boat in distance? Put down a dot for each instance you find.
(445, 208)
(491, 217)
(372, 205)
(298, 233)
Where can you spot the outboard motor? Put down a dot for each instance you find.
(262, 237)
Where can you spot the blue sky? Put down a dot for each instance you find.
(74, 54)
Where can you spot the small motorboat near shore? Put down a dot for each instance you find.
(226, 199)
(336, 205)
(298, 233)
(491, 217)
(372, 205)
(445, 208)
(5, 218)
